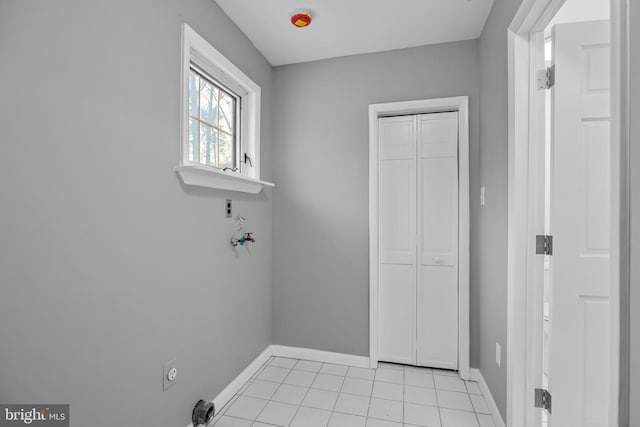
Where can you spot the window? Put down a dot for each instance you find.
(220, 145)
(213, 123)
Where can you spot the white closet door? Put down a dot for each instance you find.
(437, 246)
(397, 239)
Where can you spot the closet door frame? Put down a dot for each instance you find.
(437, 105)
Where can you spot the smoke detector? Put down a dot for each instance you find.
(301, 18)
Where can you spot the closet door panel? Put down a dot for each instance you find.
(397, 211)
(438, 317)
(436, 134)
(439, 210)
(397, 239)
(397, 331)
(397, 137)
(437, 244)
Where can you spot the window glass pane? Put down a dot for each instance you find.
(227, 112)
(226, 151)
(193, 139)
(212, 123)
(194, 89)
(208, 102)
(208, 149)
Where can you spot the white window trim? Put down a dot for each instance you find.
(196, 50)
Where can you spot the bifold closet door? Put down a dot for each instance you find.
(418, 240)
(437, 245)
(397, 239)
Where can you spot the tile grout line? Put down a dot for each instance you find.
(267, 364)
(280, 385)
(402, 368)
(268, 400)
(333, 411)
(404, 397)
(223, 411)
(274, 393)
(306, 394)
(435, 389)
(472, 405)
(371, 394)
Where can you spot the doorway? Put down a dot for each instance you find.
(564, 192)
(459, 106)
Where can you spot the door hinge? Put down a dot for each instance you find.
(544, 245)
(547, 78)
(543, 399)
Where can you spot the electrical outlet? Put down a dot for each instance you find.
(482, 192)
(228, 208)
(498, 354)
(169, 374)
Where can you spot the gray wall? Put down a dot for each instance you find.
(635, 212)
(108, 266)
(321, 279)
(492, 251)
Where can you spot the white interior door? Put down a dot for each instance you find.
(579, 355)
(437, 302)
(418, 240)
(397, 239)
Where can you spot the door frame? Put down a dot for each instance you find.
(524, 44)
(437, 105)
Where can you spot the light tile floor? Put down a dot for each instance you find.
(301, 393)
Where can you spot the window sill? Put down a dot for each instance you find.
(204, 176)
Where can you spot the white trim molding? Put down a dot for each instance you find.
(320, 356)
(461, 105)
(234, 386)
(476, 376)
(620, 232)
(207, 176)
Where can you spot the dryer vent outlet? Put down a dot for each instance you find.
(203, 413)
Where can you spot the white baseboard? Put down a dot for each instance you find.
(476, 376)
(321, 356)
(235, 385)
(284, 351)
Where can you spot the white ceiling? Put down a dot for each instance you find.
(347, 27)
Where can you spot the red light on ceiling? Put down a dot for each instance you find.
(301, 19)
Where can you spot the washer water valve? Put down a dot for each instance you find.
(247, 237)
(203, 413)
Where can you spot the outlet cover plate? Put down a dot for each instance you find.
(166, 384)
(498, 354)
